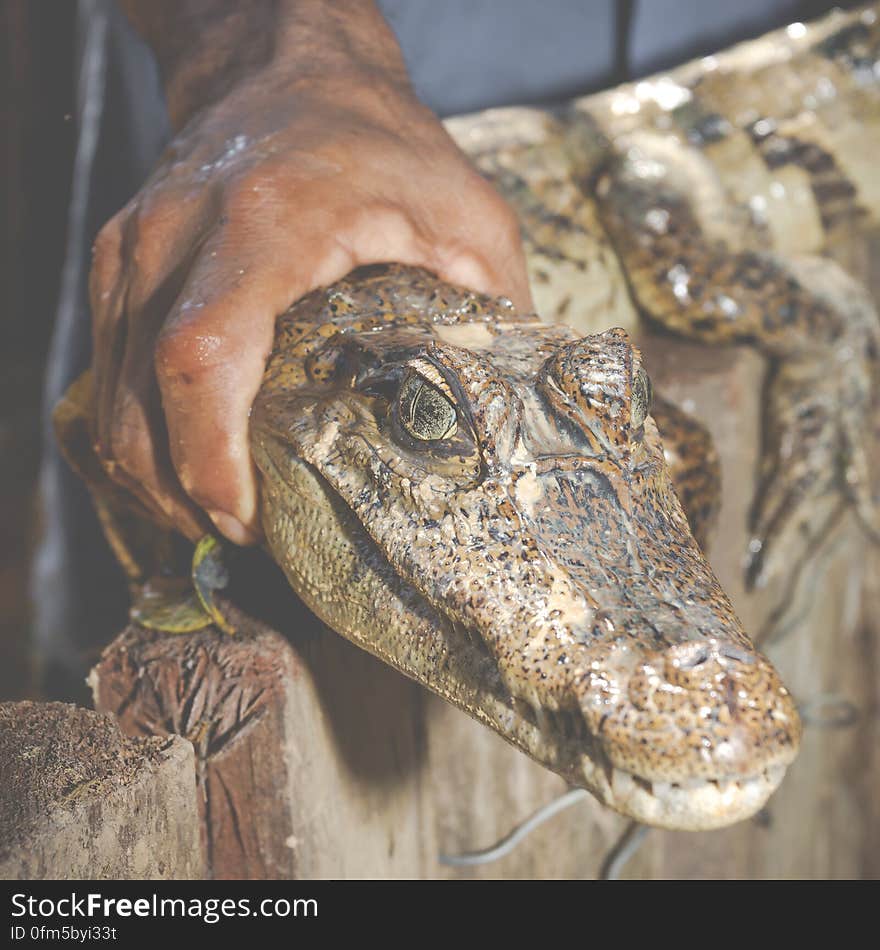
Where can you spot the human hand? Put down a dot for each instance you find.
(285, 183)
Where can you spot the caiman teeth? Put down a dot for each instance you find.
(692, 804)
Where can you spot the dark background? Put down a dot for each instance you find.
(38, 135)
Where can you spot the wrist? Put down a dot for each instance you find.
(208, 49)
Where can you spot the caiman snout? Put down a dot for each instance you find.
(691, 725)
(700, 735)
(717, 712)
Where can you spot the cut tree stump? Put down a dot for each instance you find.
(305, 754)
(78, 799)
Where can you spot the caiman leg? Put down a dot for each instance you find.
(814, 323)
(693, 465)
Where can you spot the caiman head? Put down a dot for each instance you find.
(481, 501)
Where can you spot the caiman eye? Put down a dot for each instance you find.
(425, 412)
(642, 394)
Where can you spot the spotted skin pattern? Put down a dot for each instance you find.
(805, 314)
(536, 568)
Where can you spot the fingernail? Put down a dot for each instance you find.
(232, 528)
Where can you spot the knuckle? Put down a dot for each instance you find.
(251, 190)
(374, 231)
(151, 217)
(393, 222)
(154, 227)
(176, 353)
(185, 351)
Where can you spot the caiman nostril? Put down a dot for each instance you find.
(732, 652)
(695, 657)
(692, 658)
(688, 663)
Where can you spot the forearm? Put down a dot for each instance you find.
(206, 47)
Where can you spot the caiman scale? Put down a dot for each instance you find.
(482, 500)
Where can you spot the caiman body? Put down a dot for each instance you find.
(481, 499)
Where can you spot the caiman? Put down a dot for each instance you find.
(481, 498)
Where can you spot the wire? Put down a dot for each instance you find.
(520, 831)
(829, 711)
(623, 850)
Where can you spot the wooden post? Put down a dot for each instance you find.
(78, 799)
(305, 754)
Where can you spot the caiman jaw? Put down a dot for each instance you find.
(690, 805)
(482, 502)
